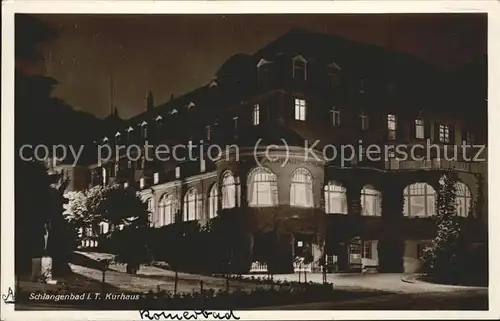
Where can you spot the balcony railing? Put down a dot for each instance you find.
(394, 164)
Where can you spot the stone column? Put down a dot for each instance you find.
(391, 243)
(353, 199)
(243, 201)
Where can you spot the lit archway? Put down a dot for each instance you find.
(420, 200)
(262, 188)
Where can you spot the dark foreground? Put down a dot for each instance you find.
(466, 300)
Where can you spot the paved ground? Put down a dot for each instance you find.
(398, 294)
(379, 281)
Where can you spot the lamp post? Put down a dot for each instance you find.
(300, 244)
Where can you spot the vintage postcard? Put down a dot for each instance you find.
(207, 161)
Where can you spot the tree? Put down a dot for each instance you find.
(41, 118)
(441, 259)
(124, 210)
(40, 228)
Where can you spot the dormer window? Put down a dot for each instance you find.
(263, 68)
(144, 129)
(213, 83)
(174, 111)
(116, 169)
(256, 114)
(419, 128)
(105, 139)
(299, 68)
(235, 119)
(391, 126)
(129, 134)
(159, 118)
(333, 75)
(209, 132)
(118, 138)
(335, 116)
(365, 125)
(190, 105)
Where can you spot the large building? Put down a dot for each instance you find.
(308, 89)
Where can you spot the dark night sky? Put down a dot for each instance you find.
(173, 54)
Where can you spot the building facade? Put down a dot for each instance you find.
(278, 117)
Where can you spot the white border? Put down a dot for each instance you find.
(200, 7)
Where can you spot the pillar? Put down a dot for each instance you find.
(391, 242)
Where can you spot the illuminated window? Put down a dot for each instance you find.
(301, 191)
(391, 126)
(444, 134)
(420, 200)
(230, 190)
(463, 199)
(191, 206)
(335, 198)
(371, 201)
(419, 128)
(213, 201)
(256, 115)
(300, 109)
(166, 213)
(262, 188)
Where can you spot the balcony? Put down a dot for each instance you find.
(435, 164)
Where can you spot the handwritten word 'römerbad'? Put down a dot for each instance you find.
(187, 315)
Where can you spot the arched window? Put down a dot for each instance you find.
(464, 199)
(335, 198)
(333, 74)
(213, 201)
(144, 130)
(230, 190)
(262, 187)
(301, 190)
(118, 138)
(299, 68)
(420, 200)
(371, 200)
(166, 214)
(191, 206)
